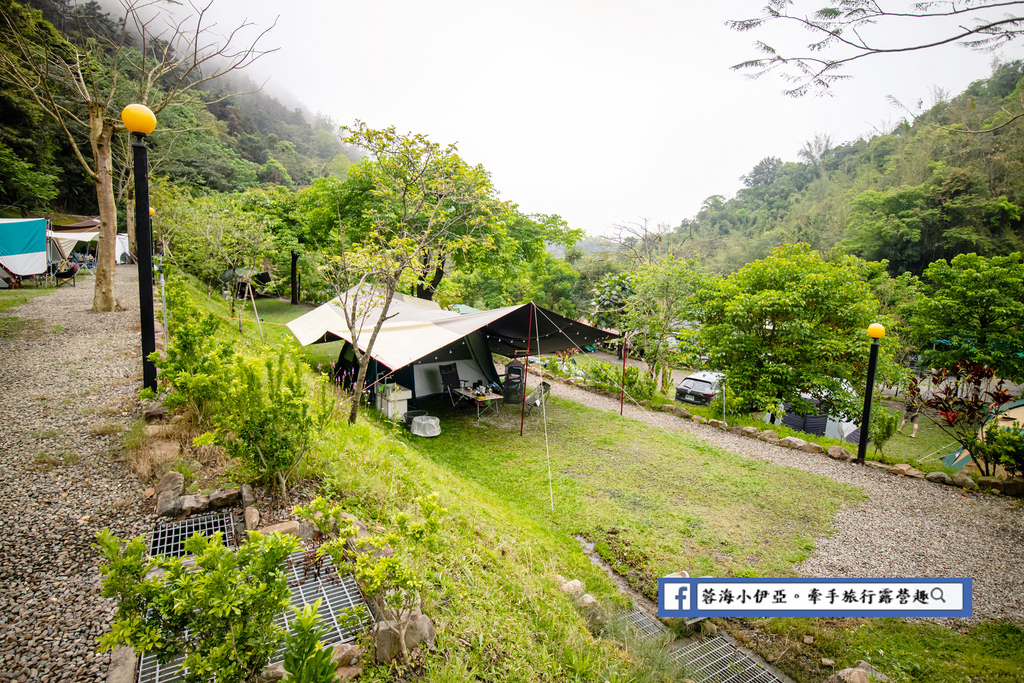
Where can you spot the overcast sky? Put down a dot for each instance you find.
(603, 112)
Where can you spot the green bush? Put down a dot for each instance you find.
(883, 427)
(1004, 446)
(269, 421)
(639, 385)
(218, 613)
(306, 660)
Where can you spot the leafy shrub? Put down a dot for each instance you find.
(218, 613)
(639, 385)
(1004, 446)
(269, 421)
(883, 427)
(306, 660)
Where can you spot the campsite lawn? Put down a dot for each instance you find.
(653, 502)
(10, 323)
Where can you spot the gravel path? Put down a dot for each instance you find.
(66, 373)
(905, 527)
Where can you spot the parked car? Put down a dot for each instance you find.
(699, 388)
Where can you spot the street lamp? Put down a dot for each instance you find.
(141, 121)
(876, 332)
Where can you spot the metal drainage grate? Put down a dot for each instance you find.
(335, 593)
(645, 625)
(716, 660)
(168, 539)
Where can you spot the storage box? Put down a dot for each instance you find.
(392, 400)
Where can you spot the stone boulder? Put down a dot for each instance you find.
(964, 481)
(682, 412)
(168, 504)
(839, 453)
(939, 478)
(248, 499)
(905, 470)
(153, 411)
(346, 654)
(849, 676)
(574, 587)
(736, 429)
(874, 675)
(171, 481)
(289, 527)
(252, 518)
(769, 435)
(122, 665)
(420, 631)
(1014, 487)
(791, 442)
(809, 447)
(750, 432)
(592, 611)
(224, 498)
(194, 503)
(994, 484)
(699, 419)
(717, 424)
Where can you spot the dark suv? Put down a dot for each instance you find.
(699, 388)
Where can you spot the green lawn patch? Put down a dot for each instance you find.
(653, 502)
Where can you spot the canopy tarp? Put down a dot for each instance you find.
(87, 225)
(417, 328)
(23, 245)
(69, 238)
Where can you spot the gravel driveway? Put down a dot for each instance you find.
(905, 527)
(68, 372)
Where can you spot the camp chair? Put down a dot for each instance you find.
(512, 387)
(450, 380)
(66, 270)
(538, 397)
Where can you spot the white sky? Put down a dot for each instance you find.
(599, 111)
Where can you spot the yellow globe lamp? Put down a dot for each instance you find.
(138, 118)
(153, 211)
(876, 331)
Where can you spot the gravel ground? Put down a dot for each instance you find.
(905, 527)
(65, 373)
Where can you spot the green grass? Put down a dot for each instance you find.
(11, 324)
(652, 502)
(920, 652)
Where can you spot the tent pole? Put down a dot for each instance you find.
(526, 372)
(622, 385)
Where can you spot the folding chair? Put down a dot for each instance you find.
(538, 397)
(450, 380)
(512, 387)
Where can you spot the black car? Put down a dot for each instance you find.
(699, 388)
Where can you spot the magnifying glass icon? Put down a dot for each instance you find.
(937, 594)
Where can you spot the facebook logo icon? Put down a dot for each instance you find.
(675, 597)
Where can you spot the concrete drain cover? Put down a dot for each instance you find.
(716, 660)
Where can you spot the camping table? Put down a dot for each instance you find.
(483, 402)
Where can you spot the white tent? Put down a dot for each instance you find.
(68, 241)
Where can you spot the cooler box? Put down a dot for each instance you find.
(392, 400)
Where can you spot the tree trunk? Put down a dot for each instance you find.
(295, 279)
(100, 136)
(357, 388)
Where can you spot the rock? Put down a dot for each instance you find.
(1014, 487)
(171, 481)
(682, 412)
(158, 431)
(574, 587)
(224, 498)
(252, 519)
(592, 611)
(874, 674)
(306, 531)
(153, 411)
(194, 503)
(122, 665)
(812, 448)
(769, 435)
(289, 527)
(168, 504)
(348, 673)
(939, 478)
(708, 629)
(273, 673)
(900, 469)
(994, 484)
(386, 647)
(736, 429)
(164, 451)
(248, 498)
(698, 419)
(825, 661)
(717, 424)
(964, 481)
(346, 654)
(874, 464)
(559, 579)
(772, 441)
(849, 676)
(839, 453)
(149, 492)
(915, 474)
(791, 442)
(750, 432)
(666, 407)
(808, 640)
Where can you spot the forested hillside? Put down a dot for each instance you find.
(949, 182)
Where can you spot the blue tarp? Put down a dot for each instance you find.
(23, 246)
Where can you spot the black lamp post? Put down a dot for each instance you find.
(876, 332)
(141, 121)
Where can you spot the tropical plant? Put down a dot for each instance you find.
(306, 660)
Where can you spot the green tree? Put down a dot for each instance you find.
(975, 314)
(795, 324)
(84, 83)
(22, 187)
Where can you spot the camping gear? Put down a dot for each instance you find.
(392, 400)
(412, 414)
(515, 380)
(450, 380)
(68, 241)
(23, 246)
(538, 397)
(425, 425)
